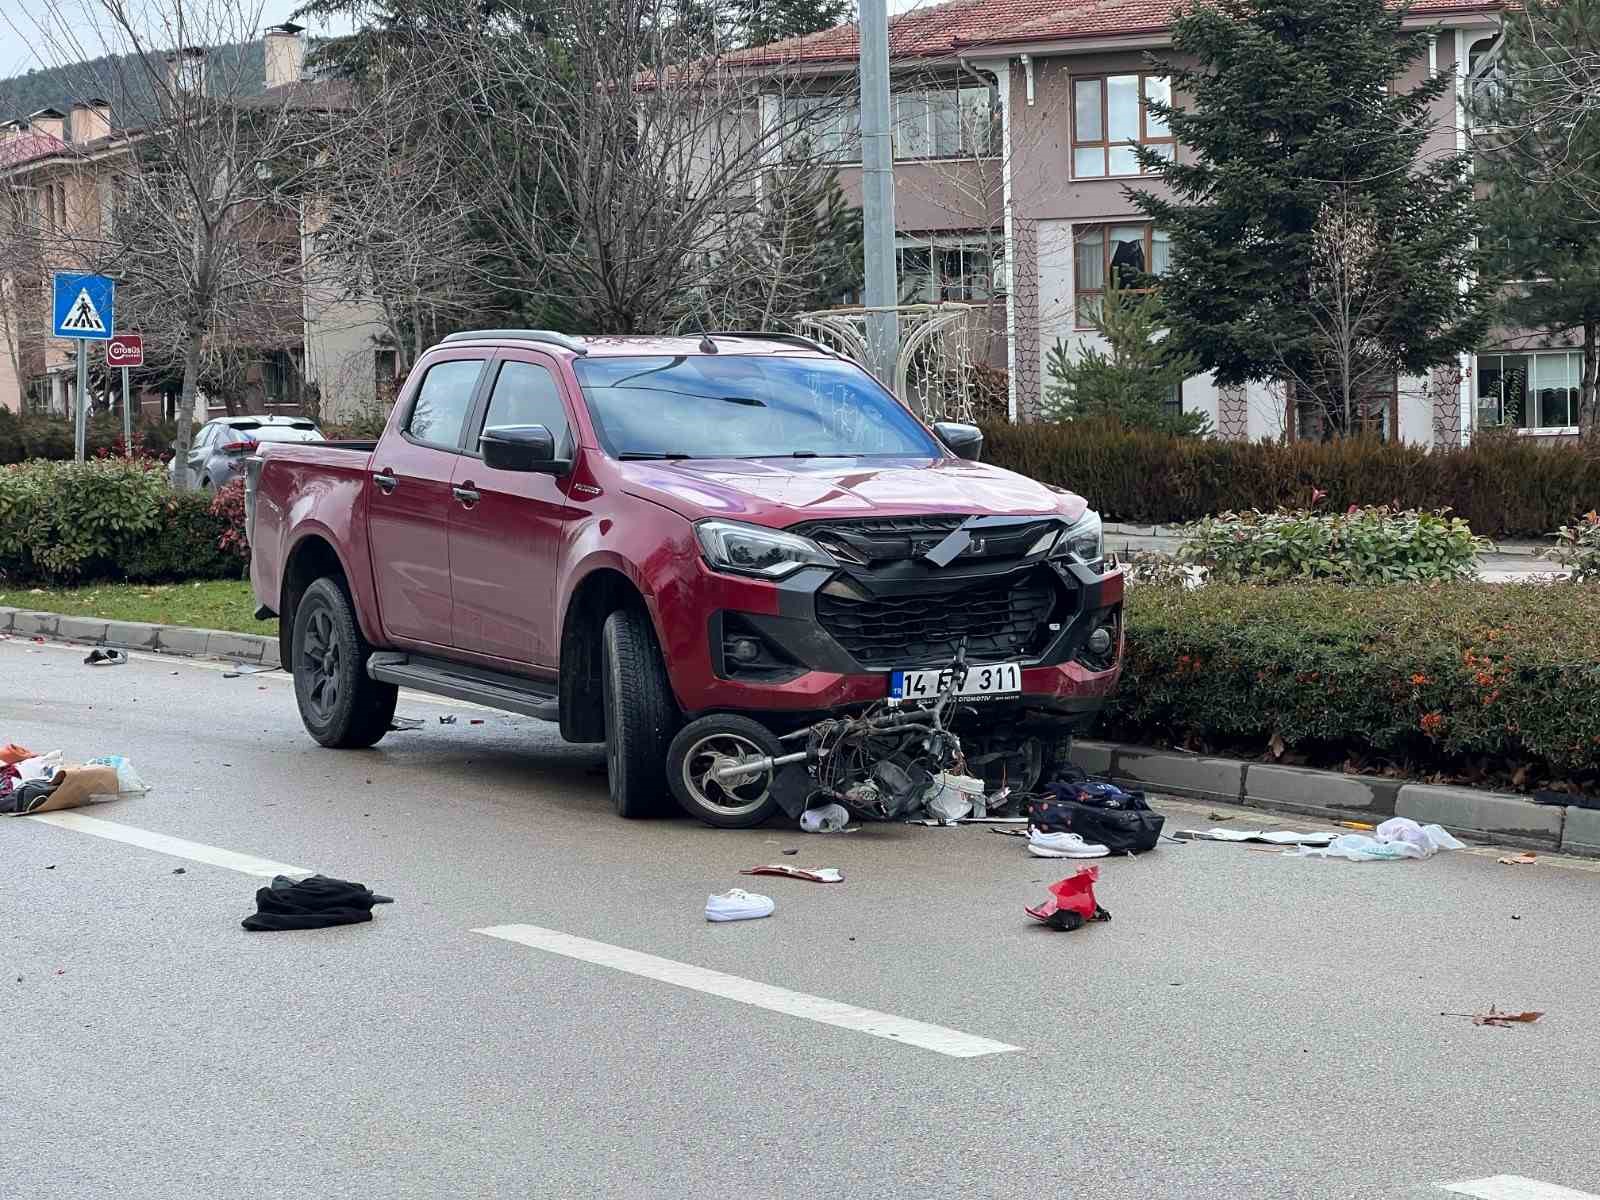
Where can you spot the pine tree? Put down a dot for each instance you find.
(1540, 156)
(763, 21)
(1131, 384)
(1289, 104)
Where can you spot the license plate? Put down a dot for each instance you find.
(992, 679)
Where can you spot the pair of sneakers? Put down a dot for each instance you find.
(1062, 845)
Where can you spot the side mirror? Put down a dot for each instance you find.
(962, 440)
(521, 448)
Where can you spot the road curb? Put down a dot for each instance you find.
(132, 635)
(1333, 795)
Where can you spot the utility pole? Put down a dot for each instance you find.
(81, 415)
(877, 194)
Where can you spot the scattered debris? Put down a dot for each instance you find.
(1518, 860)
(450, 720)
(814, 874)
(180, 870)
(475, 721)
(11, 754)
(402, 724)
(792, 851)
(1398, 837)
(830, 818)
(315, 902)
(230, 674)
(1022, 833)
(51, 867)
(1100, 813)
(105, 658)
(1216, 816)
(1355, 825)
(1498, 1019)
(738, 905)
(1071, 903)
(1274, 837)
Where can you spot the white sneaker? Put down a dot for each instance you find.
(1062, 845)
(738, 905)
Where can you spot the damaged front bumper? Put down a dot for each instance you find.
(826, 639)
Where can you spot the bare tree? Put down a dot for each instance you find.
(201, 219)
(613, 156)
(1350, 307)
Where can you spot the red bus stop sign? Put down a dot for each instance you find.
(125, 350)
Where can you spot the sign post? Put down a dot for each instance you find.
(82, 311)
(126, 350)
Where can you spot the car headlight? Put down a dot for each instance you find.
(754, 550)
(1086, 539)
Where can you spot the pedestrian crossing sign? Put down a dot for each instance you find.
(83, 306)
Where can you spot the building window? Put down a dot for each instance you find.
(1110, 113)
(1133, 251)
(932, 269)
(1530, 391)
(1485, 79)
(928, 122)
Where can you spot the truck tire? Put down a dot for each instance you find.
(1056, 752)
(340, 705)
(700, 747)
(641, 715)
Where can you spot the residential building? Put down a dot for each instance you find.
(1034, 203)
(61, 175)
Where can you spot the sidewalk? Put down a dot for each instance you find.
(1509, 563)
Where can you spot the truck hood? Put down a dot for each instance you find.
(779, 492)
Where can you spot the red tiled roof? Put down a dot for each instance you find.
(29, 146)
(944, 30)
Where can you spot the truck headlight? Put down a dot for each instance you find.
(1086, 539)
(755, 550)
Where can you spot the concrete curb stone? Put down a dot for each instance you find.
(1182, 774)
(1498, 818)
(36, 624)
(131, 635)
(1580, 832)
(1094, 758)
(7, 616)
(1306, 788)
(176, 639)
(235, 645)
(82, 629)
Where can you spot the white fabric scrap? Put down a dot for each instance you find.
(1396, 838)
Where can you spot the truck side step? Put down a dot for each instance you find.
(492, 689)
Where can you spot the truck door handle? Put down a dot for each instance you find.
(467, 495)
(386, 482)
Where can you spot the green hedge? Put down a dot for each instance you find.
(1433, 675)
(1504, 486)
(23, 439)
(107, 518)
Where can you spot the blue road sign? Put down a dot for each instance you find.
(83, 306)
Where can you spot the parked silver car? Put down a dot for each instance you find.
(216, 457)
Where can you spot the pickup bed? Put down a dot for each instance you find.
(623, 534)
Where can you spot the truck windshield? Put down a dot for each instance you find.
(742, 406)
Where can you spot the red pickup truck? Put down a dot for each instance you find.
(623, 534)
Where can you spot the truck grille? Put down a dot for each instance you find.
(1000, 618)
(872, 540)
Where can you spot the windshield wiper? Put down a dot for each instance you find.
(648, 455)
(795, 454)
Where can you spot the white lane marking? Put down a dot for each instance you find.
(198, 852)
(1514, 1187)
(937, 1038)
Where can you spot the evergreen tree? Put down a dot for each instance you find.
(1287, 105)
(1539, 153)
(1132, 383)
(763, 21)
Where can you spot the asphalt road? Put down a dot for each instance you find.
(1247, 1025)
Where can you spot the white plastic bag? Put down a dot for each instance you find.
(1396, 838)
(128, 781)
(952, 796)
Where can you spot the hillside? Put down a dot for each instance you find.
(57, 87)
